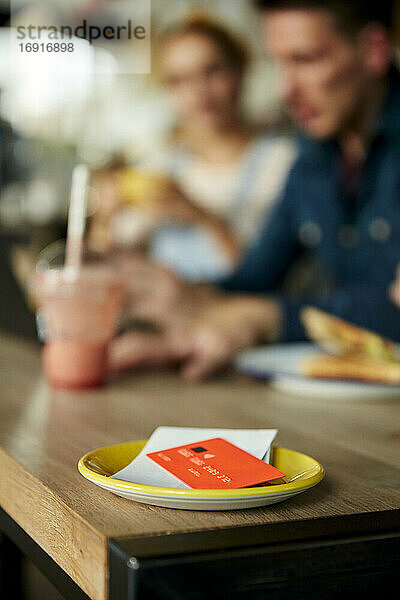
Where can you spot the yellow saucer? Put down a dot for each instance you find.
(302, 472)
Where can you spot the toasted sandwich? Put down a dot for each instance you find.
(340, 338)
(340, 367)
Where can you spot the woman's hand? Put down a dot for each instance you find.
(156, 294)
(104, 201)
(159, 198)
(174, 206)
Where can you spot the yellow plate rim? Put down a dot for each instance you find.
(150, 490)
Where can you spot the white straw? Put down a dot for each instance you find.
(76, 219)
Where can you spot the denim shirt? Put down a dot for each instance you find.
(356, 240)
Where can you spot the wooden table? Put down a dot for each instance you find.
(341, 535)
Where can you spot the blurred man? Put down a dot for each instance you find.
(342, 198)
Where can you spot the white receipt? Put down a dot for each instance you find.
(145, 471)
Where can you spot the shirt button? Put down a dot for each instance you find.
(348, 237)
(310, 234)
(380, 230)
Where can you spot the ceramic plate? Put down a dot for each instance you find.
(281, 365)
(302, 472)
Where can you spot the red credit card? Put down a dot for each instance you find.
(215, 464)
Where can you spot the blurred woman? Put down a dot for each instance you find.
(222, 176)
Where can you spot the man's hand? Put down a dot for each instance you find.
(204, 343)
(229, 325)
(136, 350)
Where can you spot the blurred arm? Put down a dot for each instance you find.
(267, 261)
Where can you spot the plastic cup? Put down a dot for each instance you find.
(77, 316)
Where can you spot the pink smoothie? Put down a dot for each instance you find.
(80, 317)
(75, 364)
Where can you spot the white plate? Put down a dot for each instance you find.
(281, 365)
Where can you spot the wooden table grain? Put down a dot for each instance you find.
(44, 432)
